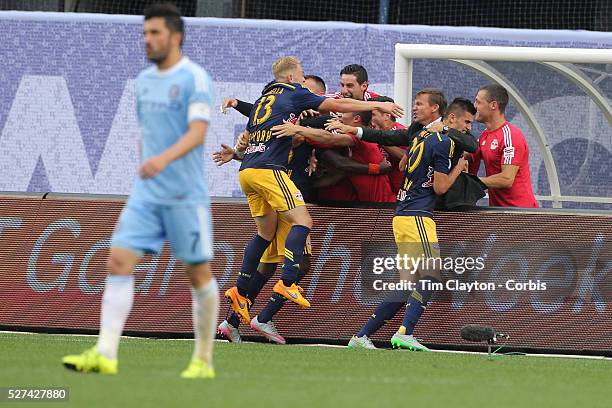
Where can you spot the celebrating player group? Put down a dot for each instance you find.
(300, 144)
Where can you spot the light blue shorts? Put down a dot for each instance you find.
(143, 227)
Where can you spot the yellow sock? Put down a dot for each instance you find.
(401, 330)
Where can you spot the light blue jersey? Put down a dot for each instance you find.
(166, 101)
(173, 205)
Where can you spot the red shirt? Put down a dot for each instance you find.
(374, 188)
(341, 191)
(506, 145)
(396, 177)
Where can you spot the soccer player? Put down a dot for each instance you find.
(298, 163)
(264, 180)
(369, 187)
(503, 148)
(169, 199)
(429, 157)
(354, 84)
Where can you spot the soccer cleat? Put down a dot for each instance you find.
(292, 293)
(408, 342)
(239, 304)
(229, 331)
(362, 342)
(268, 330)
(90, 361)
(198, 369)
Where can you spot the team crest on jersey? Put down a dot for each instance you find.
(173, 92)
(494, 144)
(298, 195)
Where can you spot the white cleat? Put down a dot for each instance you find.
(268, 330)
(362, 342)
(407, 341)
(229, 331)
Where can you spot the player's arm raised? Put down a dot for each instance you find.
(346, 105)
(190, 140)
(317, 135)
(400, 137)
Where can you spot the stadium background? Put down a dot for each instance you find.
(68, 126)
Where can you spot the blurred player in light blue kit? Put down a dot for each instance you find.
(169, 199)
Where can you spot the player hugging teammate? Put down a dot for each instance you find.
(277, 206)
(429, 154)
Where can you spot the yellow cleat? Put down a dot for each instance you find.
(239, 304)
(90, 361)
(293, 293)
(198, 369)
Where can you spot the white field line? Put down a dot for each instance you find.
(334, 346)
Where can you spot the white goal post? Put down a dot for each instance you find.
(559, 59)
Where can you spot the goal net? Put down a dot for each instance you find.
(559, 98)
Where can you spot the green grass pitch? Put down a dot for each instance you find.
(262, 375)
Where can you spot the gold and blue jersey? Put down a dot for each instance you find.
(280, 102)
(429, 153)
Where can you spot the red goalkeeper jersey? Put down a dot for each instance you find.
(506, 145)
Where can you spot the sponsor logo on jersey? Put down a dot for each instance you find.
(173, 92)
(260, 148)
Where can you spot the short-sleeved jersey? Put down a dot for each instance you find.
(280, 102)
(506, 145)
(429, 152)
(166, 102)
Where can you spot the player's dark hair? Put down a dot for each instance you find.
(318, 80)
(171, 15)
(498, 94)
(383, 98)
(366, 117)
(435, 97)
(460, 105)
(358, 70)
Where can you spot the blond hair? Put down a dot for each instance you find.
(283, 66)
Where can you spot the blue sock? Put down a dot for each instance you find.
(383, 313)
(294, 251)
(275, 304)
(252, 254)
(277, 301)
(257, 282)
(417, 303)
(234, 320)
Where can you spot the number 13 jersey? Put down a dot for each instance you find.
(280, 102)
